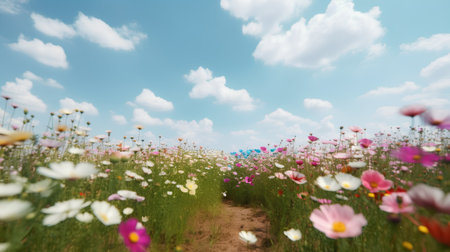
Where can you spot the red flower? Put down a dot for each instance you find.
(440, 233)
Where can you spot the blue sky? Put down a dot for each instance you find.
(225, 74)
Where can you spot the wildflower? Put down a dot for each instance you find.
(321, 201)
(14, 209)
(313, 138)
(75, 151)
(49, 143)
(279, 175)
(84, 217)
(407, 245)
(130, 195)
(128, 211)
(357, 164)
(296, 177)
(355, 129)
(397, 202)
(248, 237)
(374, 181)
(438, 118)
(365, 143)
(412, 110)
(10, 189)
(106, 213)
(191, 186)
(423, 229)
(279, 165)
(43, 187)
(430, 197)
(348, 181)
(134, 235)
(66, 170)
(338, 221)
(4, 246)
(440, 233)
(293, 234)
(63, 210)
(327, 183)
(416, 155)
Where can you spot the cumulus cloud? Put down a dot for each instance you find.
(68, 103)
(11, 6)
(406, 87)
(205, 85)
(149, 100)
(142, 117)
(20, 93)
(52, 27)
(119, 119)
(246, 132)
(97, 31)
(47, 54)
(388, 112)
(48, 82)
(264, 16)
(437, 86)
(317, 104)
(201, 131)
(439, 68)
(436, 42)
(324, 38)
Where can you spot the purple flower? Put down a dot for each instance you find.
(134, 235)
(226, 180)
(416, 155)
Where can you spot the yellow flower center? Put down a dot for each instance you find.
(346, 185)
(339, 227)
(104, 217)
(327, 187)
(373, 184)
(133, 237)
(423, 229)
(417, 157)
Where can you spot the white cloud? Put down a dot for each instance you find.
(148, 99)
(388, 112)
(47, 54)
(48, 82)
(142, 117)
(20, 93)
(438, 85)
(281, 117)
(317, 104)
(406, 87)
(201, 131)
(324, 38)
(264, 16)
(99, 32)
(11, 6)
(247, 132)
(52, 27)
(439, 68)
(376, 50)
(437, 42)
(119, 119)
(205, 85)
(429, 99)
(68, 103)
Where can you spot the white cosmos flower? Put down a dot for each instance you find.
(146, 170)
(43, 187)
(4, 246)
(149, 164)
(348, 181)
(279, 165)
(429, 148)
(14, 209)
(293, 234)
(327, 183)
(106, 213)
(63, 210)
(84, 217)
(76, 151)
(133, 175)
(10, 189)
(66, 170)
(128, 211)
(130, 195)
(247, 237)
(357, 164)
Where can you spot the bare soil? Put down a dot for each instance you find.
(219, 231)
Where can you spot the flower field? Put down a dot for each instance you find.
(63, 190)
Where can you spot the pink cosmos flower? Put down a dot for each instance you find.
(297, 177)
(313, 138)
(430, 197)
(279, 175)
(365, 143)
(134, 235)
(438, 118)
(338, 221)
(355, 129)
(416, 155)
(412, 110)
(397, 202)
(374, 181)
(299, 162)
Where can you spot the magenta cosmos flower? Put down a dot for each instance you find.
(355, 129)
(412, 110)
(297, 177)
(134, 235)
(365, 143)
(416, 155)
(313, 138)
(438, 118)
(397, 202)
(338, 221)
(374, 181)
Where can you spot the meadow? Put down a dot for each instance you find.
(64, 190)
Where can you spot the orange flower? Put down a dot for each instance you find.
(440, 233)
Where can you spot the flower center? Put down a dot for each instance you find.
(327, 187)
(373, 184)
(417, 157)
(339, 227)
(104, 217)
(133, 237)
(346, 185)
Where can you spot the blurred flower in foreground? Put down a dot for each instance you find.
(430, 197)
(327, 183)
(438, 118)
(412, 110)
(10, 189)
(293, 234)
(134, 235)
(440, 233)
(63, 210)
(374, 181)
(416, 155)
(106, 213)
(338, 221)
(14, 209)
(397, 202)
(66, 170)
(297, 177)
(248, 237)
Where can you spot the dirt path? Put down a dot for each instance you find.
(220, 231)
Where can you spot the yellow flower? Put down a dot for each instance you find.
(423, 229)
(371, 195)
(407, 245)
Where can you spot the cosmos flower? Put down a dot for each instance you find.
(438, 118)
(66, 170)
(355, 129)
(365, 143)
(348, 181)
(416, 155)
(440, 233)
(14, 209)
(106, 213)
(397, 202)
(430, 197)
(338, 221)
(84, 217)
(134, 235)
(293, 234)
(313, 138)
(248, 237)
(63, 210)
(412, 110)
(374, 181)
(357, 164)
(10, 189)
(297, 177)
(327, 183)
